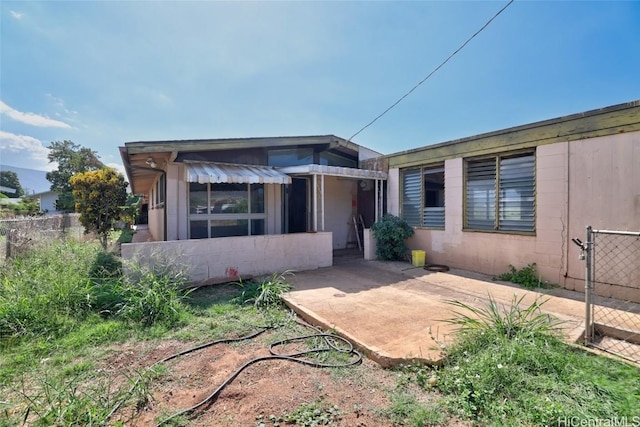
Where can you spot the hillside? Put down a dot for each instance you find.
(31, 180)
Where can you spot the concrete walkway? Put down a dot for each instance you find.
(395, 312)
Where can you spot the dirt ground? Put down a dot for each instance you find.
(273, 387)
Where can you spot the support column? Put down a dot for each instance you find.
(315, 203)
(322, 202)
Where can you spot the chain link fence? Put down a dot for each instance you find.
(19, 234)
(613, 271)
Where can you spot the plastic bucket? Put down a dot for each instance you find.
(417, 258)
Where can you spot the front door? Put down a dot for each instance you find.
(296, 207)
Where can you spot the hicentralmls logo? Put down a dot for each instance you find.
(599, 422)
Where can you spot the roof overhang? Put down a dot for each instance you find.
(338, 171)
(211, 172)
(143, 168)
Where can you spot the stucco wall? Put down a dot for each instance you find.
(340, 205)
(225, 259)
(586, 182)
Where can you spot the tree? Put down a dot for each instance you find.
(100, 196)
(10, 179)
(72, 159)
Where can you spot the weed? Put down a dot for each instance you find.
(267, 292)
(153, 295)
(406, 410)
(316, 413)
(508, 322)
(508, 367)
(527, 277)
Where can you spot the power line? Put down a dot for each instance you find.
(432, 72)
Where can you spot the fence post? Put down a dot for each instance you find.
(588, 283)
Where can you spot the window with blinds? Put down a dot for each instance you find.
(423, 197)
(412, 196)
(500, 193)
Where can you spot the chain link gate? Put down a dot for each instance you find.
(612, 270)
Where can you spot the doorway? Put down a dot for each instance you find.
(296, 206)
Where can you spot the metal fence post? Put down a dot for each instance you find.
(588, 281)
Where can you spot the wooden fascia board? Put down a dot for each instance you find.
(149, 147)
(571, 128)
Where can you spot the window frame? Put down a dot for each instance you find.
(422, 171)
(498, 201)
(210, 217)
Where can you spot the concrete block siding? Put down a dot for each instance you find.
(227, 259)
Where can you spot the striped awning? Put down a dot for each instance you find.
(211, 172)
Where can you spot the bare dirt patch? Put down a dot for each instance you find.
(273, 387)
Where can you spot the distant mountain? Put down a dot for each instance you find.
(31, 180)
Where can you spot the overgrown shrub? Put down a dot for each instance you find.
(151, 294)
(46, 289)
(390, 233)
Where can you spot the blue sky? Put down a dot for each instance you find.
(103, 73)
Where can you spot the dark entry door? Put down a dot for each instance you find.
(297, 206)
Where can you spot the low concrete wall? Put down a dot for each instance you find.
(370, 246)
(230, 258)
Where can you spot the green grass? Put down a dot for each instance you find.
(63, 306)
(508, 367)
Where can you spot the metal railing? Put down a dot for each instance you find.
(612, 291)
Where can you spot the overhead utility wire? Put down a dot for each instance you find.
(432, 72)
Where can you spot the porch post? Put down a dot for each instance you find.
(377, 201)
(322, 202)
(315, 202)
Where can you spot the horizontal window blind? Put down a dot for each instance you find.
(412, 196)
(517, 194)
(481, 196)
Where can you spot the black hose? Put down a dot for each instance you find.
(330, 345)
(184, 352)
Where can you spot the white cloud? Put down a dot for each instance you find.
(119, 167)
(36, 152)
(31, 118)
(17, 15)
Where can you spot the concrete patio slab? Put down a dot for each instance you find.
(395, 313)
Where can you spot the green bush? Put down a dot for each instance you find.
(390, 233)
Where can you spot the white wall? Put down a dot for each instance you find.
(48, 202)
(341, 197)
(227, 259)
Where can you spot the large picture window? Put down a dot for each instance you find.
(223, 210)
(423, 197)
(500, 193)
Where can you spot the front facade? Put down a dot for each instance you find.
(204, 192)
(518, 196)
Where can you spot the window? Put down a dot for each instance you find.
(423, 197)
(159, 191)
(500, 193)
(223, 210)
(291, 157)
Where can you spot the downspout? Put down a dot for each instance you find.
(164, 219)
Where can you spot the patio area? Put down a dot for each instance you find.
(395, 313)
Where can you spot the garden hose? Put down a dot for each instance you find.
(332, 343)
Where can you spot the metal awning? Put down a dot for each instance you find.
(334, 171)
(210, 172)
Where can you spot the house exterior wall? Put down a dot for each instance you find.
(230, 258)
(341, 197)
(594, 182)
(48, 202)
